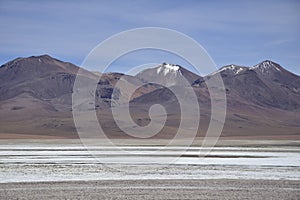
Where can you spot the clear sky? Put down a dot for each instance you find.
(233, 32)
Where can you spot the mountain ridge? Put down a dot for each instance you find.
(47, 56)
(37, 91)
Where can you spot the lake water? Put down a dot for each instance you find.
(63, 162)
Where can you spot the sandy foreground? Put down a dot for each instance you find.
(154, 189)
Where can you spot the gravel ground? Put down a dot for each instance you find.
(154, 189)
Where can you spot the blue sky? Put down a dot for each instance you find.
(232, 32)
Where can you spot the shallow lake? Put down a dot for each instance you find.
(21, 162)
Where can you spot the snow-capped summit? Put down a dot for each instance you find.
(167, 74)
(166, 68)
(233, 68)
(230, 69)
(266, 67)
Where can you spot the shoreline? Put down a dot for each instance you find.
(24, 136)
(221, 142)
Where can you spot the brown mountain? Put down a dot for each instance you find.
(266, 84)
(36, 97)
(261, 100)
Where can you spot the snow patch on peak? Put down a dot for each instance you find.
(166, 68)
(230, 68)
(266, 67)
(235, 69)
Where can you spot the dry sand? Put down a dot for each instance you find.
(154, 189)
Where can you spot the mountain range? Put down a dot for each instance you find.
(263, 101)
